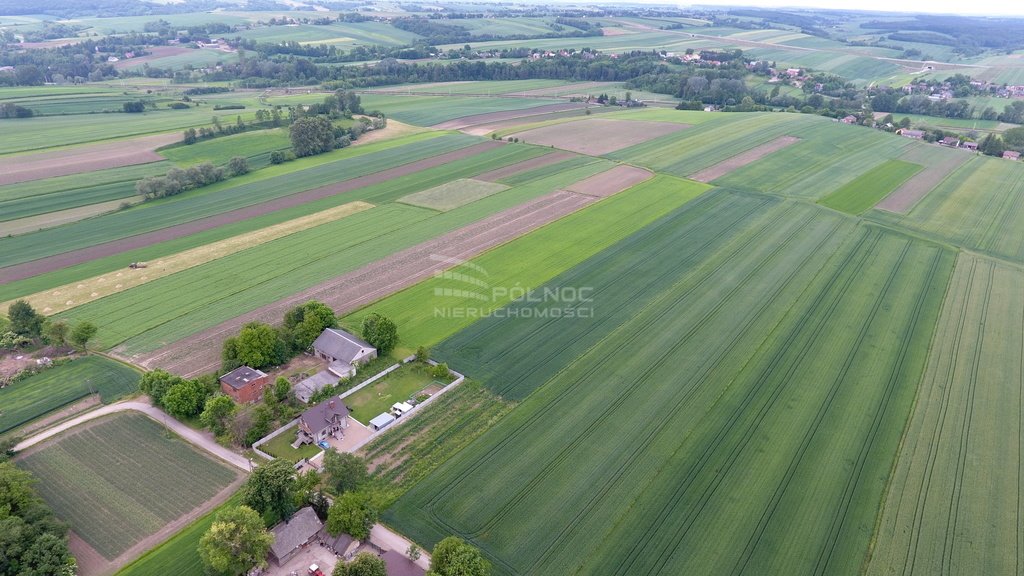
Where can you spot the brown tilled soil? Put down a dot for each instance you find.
(903, 198)
(611, 181)
(740, 160)
(532, 163)
(26, 167)
(200, 353)
(597, 136)
(56, 262)
(490, 117)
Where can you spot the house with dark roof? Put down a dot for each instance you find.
(342, 351)
(398, 565)
(342, 545)
(244, 384)
(293, 535)
(970, 146)
(951, 141)
(325, 420)
(908, 133)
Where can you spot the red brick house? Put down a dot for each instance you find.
(244, 384)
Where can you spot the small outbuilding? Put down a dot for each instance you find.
(969, 146)
(951, 141)
(244, 384)
(293, 535)
(342, 544)
(382, 421)
(400, 408)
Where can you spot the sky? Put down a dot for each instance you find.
(985, 7)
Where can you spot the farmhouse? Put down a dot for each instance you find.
(951, 141)
(343, 351)
(291, 536)
(970, 145)
(851, 119)
(915, 134)
(1011, 155)
(244, 384)
(322, 421)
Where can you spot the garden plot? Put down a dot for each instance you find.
(119, 480)
(22, 168)
(453, 194)
(598, 136)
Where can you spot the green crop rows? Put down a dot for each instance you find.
(430, 110)
(867, 189)
(59, 386)
(121, 479)
(742, 333)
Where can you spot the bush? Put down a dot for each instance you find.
(229, 107)
(134, 107)
(440, 371)
(178, 106)
(238, 166)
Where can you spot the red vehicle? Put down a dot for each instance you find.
(314, 570)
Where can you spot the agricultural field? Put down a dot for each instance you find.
(453, 194)
(430, 111)
(868, 189)
(118, 480)
(57, 387)
(256, 146)
(776, 298)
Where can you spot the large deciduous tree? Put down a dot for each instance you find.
(311, 135)
(259, 345)
(456, 557)
(82, 333)
(236, 542)
(381, 332)
(269, 490)
(25, 321)
(345, 471)
(364, 564)
(305, 322)
(217, 413)
(353, 513)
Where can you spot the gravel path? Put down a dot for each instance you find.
(200, 353)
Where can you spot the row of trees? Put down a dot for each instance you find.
(28, 327)
(177, 180)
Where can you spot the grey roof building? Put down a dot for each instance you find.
(328, 418)
(341, 348)
(291, 536)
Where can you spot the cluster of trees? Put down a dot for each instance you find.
(32, 541)
(177, 180)
(313, 132)
(26, 327)
(260, 345)
(264, 119)
(994, 145)
(11, 110)
(436, 32)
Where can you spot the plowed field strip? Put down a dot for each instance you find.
(740, 160)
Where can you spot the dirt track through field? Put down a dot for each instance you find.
(740, 160)
(519, 168)
(611, 181)
(200, 353)
(910, 192)
(59, 261)
(490, 117)
(598, 136)
(26, 167)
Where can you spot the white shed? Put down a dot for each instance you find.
(382, 421)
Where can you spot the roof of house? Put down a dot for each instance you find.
(399, 565)
(950, 140)
(323, 414)
(340, 543)
(298, 530)
(908, 132)
(306, 388)
(340, 344)
(241, 376)
(382, 420)
(1011, 154)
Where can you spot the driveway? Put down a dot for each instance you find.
(197, 438)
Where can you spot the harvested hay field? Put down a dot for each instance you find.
(451, 195)
(918, 186)
(71, 295)
(598, 136)
(200, 353)
(611, 182)
(51, 219)
(740, 160)
(524, 166)
(56, 262)
(490, 117)
(26, 167)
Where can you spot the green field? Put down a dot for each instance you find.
(953, 504)
(179, 554)
(453, 194)
(398, 386)
(165, 310)
(869, 188)
(228, 195)
(120, 479)
(431, 110)
(280, 446)
(59, 386)
(256, 146)
(526, 262)
(755, 331)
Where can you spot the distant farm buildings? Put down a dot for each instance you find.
(908, 133)
(1011, 155)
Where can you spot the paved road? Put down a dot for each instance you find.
(388, 539)
(195, 437)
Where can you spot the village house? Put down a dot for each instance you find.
(969, 145)
(293, 535)
(342, 351)
(851, 119)
(908, 133)
(244, 384)
(951, 141)
(325, 420)
(1011, 155)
